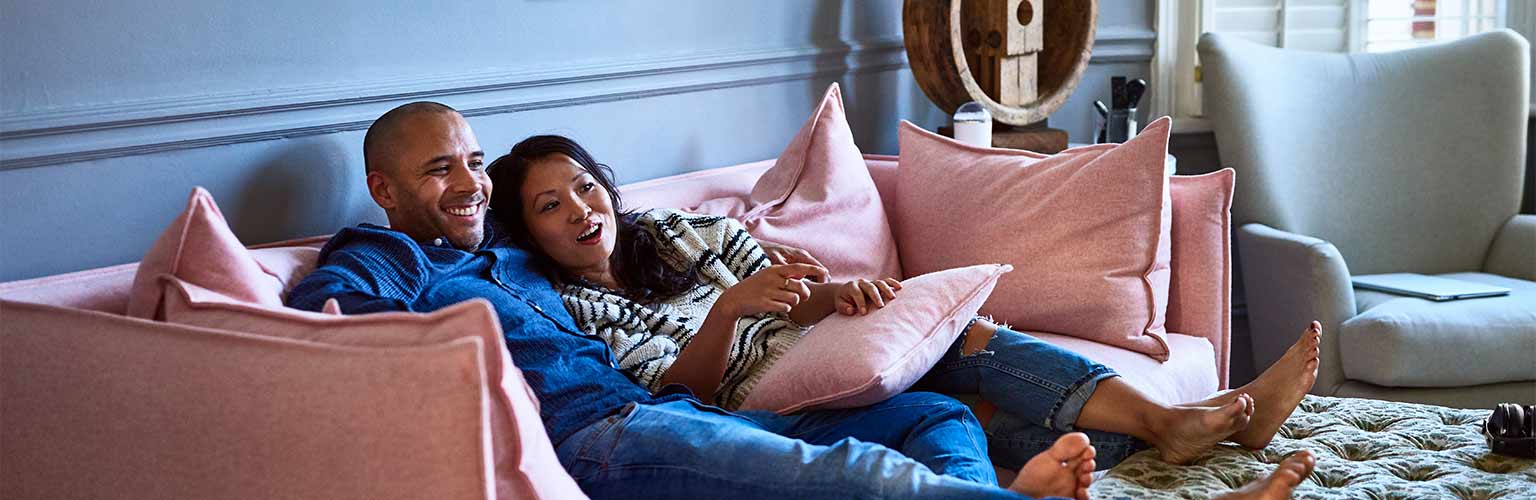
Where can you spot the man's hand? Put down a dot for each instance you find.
(785, 254)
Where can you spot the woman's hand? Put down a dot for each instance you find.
(775, 289)
(785, 254)
(857, 297)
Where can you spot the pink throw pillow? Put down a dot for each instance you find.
(199, 248)
(1087, 230)
(1200, 288)
(852, 361)
(525, 461)
(819, 196)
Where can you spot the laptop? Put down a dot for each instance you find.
(1427, 287)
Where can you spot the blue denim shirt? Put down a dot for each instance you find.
(370, 268)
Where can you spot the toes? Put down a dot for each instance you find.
(1071, 446)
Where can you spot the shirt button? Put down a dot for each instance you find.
(437, 242)
(538, 309)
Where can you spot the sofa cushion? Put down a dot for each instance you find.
(1189, 373)
(1086, 229)
(852, 361)
(199, 248)
(102, 406)
(1200, 277)
(1413, 342)
(818, 196)
(525, 462)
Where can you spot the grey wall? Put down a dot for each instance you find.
(110, 112)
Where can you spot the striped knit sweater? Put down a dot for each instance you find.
(646, 338)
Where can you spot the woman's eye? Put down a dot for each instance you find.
(548, 206)
(588, 187)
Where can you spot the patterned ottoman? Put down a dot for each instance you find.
(1365, 449)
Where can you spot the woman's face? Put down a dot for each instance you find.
(569, 215)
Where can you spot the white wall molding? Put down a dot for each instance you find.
(1119, 45)
(126, 129)
(94, 132)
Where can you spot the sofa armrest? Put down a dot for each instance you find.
(1513, 253)
(1290, 280)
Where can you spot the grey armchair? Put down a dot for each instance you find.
(1408, 161)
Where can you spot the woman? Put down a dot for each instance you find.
(694, 300)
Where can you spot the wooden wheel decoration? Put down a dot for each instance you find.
(1020, 59)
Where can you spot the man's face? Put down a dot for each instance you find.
(435, 184)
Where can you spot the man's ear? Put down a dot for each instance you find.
(379, 188)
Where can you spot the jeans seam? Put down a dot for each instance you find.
(1066, 395)
(803, 432)
(1002, 367)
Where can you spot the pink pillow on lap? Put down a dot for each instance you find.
(819, 196)
(852, 361)
(525, 461)
(1087, 230)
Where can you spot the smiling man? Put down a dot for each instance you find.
(441, 197)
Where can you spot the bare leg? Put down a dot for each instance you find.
(1278, 484)
(1277, 391)
(1180, 433)
(1064, 470)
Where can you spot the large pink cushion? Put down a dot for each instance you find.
(102, 406)
(199, 248)
(818, 196)
(525, 462)
(1087, 230)
(852, 361)
(1200, 291)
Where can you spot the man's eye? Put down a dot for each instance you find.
(438, 171)
(587, 187)
(477, 165)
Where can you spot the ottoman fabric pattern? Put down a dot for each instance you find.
(1365, 449)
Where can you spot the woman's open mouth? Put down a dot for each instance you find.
(592, 235)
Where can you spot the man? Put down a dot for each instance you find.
(426, 170)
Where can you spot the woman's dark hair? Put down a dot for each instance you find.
(636, 259)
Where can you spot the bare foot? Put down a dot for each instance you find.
(1278, 390)
(1064, 470)
(1278, 484)
(1188, 431)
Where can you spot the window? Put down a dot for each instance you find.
(1318, 25)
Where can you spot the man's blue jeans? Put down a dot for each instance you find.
(912, 445)
(1039, 390)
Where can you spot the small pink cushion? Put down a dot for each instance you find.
(1087, 230)
(852, 361)
(199, 248)
(819, 196)
(1200, 289)
(525, 462)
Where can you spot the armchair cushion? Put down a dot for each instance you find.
(1514, 251)
(1413, 342)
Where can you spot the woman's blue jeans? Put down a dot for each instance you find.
(1039, 390)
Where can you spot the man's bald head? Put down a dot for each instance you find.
(378, 154)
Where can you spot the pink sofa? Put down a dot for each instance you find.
(83, 416)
